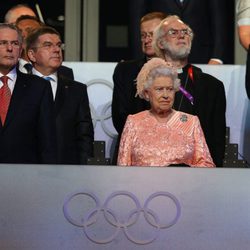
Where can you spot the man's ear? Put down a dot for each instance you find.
(30, 54)
(160, 44)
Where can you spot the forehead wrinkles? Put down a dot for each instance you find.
(10, 34)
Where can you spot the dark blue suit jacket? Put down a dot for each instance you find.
(75, 133)
(28, 135)
(66, 71)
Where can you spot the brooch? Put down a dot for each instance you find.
(183, 118)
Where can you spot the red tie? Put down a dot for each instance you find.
(5, 96)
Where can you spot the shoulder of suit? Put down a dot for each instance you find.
(205, 77)
(70, 82)
(131, 63)
(130, 68)
(63, 67)
(30, 78)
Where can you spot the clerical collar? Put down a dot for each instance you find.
(179, 71)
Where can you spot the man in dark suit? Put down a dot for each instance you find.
(73, 119)
(27, 24)
(211, 21)
(124, 101)
(27, 127)
(200, 94)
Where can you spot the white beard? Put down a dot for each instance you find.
(174, 53)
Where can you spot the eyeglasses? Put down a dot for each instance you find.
(4, 44)
(144, 35)
(183, 32)
(50, 46)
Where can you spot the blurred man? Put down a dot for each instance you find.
(200, 94)
(26, 24)
(73, 119)
(17, 11)
(243, 28)
(27, 127)
(243, 22)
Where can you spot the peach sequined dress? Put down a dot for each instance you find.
(147, 142)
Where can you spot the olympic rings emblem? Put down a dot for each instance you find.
(113, 219)
(105, 114)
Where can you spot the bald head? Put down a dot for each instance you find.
(17, 11)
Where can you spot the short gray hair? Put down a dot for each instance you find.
(154, 68)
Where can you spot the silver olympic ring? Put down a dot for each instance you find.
(104, 115)
(90, 219)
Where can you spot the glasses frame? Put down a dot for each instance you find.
(173, 33)
(49, 46)
(14, 44)
(145, 35)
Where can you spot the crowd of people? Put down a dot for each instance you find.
(167, 112)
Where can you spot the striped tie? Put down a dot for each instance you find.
(5, 95)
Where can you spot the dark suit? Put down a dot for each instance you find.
(209, 106)
(124, 101)
(211, 21)
(66, 71)
(209, 103)
(28, 135)
(73, 122)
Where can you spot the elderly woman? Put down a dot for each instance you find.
(162, 136)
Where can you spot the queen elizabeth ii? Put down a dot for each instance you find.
(162, 136)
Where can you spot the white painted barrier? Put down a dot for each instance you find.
(57, 207)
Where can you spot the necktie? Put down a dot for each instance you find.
(5, 96)
(48, 78)
(28, 67)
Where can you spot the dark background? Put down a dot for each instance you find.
(112, 13)
(51, 10)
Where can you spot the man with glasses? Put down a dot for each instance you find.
(124, 101)
(73, 119)
(212, 22)
(200, 94)
(27, 124)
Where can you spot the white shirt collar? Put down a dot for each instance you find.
(12, 79)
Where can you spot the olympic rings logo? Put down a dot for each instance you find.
(151, 217)
(105, 114)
